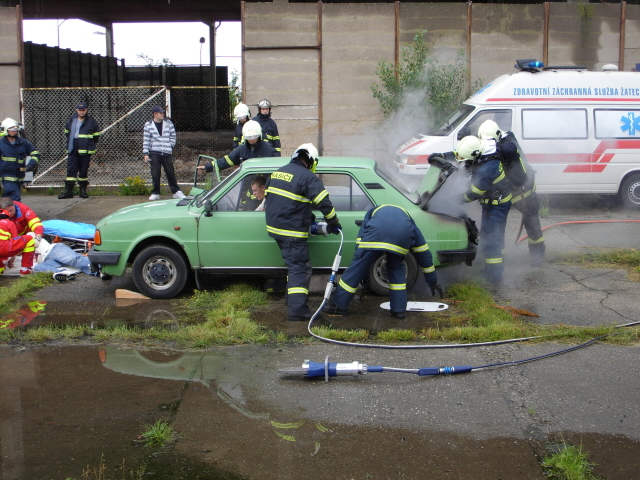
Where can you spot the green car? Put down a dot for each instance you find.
(217, 230)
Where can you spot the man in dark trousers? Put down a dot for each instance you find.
(82, 133)
(390, 230)
(522, 179)
(14, 152)
(292, 193)
(269, 127)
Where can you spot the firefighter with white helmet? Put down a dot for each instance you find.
(489, 186)
(17, 156)
(269, 127)
(522, 180)
(293, 192)
(242, 115)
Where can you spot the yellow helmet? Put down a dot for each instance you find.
(469, 148)
(489, 129)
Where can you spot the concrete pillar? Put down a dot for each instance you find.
(109, 38)
(11, 61)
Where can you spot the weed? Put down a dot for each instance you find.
(616, 258)
(395, 335)
(568, 463)
(159, 434)
(531, 410)
(134, 186)
(9, 294)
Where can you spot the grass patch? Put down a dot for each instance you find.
(9, 295)
(568, 463)
(159, 434)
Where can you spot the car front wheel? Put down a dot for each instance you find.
(379, 279)
(160, 271)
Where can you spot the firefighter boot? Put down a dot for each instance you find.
(68, 190)
(83, 189)
(536, 254)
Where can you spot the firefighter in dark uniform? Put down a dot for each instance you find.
(489, 186)
(253, 147)
(522, 180)
(82, 133)
(242, 115)
(14, 152)
(292, 193)
(390, 230)
(269, 127)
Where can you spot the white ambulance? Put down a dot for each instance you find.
(579, 130)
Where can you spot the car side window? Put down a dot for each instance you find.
(229, 202)
(345, 194)
(248, 201)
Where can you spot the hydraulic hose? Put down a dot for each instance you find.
(577, 222)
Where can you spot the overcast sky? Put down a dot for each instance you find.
(179, 42)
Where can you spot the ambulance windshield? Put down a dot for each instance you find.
(461, 114)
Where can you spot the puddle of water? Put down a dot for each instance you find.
(62, 409)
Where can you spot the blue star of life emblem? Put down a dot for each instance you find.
(630, 123)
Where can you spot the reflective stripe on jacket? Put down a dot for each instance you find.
(88, 135)
(13, 157)
(292, 193)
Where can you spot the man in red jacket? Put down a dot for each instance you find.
(12, 244)
(24, 218)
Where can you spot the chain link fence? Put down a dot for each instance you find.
(201, 115)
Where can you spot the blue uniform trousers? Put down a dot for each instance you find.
(494, 222)
(359, 268)
(295, 253)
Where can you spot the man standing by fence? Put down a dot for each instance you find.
(159, 138)
(82, 133)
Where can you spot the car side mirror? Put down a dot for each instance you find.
(208, 208)
(463, 132)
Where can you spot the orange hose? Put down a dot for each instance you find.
(578, 221)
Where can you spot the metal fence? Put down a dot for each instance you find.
(201, 115)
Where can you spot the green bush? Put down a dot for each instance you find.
(134, 186)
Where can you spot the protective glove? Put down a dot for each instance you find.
(437, 156)
(31, 167)
(436, 288)
(334, 226)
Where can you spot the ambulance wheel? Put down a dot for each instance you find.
(379, 281)
(630, 191)
(160, 271)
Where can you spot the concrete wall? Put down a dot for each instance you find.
(10, 59)
(336, 109)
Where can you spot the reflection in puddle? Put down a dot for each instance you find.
(61, 409)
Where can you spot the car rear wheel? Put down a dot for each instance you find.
(630, 191)
(160, 271)
(379, 280)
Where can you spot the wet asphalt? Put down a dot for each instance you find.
(492, 423)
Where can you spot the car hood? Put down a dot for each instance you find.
(434, 179)
(142, 211)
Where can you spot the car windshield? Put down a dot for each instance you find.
(392, 179)
(462, 113)
(200, 199)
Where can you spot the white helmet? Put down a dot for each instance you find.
(312, 153)
(489, 129)
(251, 130)
(264, 103)
(9, 124)
(469, 148)
(241, 111)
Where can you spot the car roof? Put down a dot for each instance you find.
(323, 163)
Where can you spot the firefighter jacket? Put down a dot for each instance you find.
(239, 138)
(391, 228)
(292, 193)
(88, 136)
(244, 152)
(152, 141)
(13, 157)
(26, 220)
(269, 131)
(488, 182)
(520, 175)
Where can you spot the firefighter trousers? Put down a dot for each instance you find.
(295, 253)
(529, 207)
(359, 268)
(494, 222)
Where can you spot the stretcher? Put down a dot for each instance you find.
(78, 236)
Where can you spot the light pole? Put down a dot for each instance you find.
(201, 43)
(59, 30)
